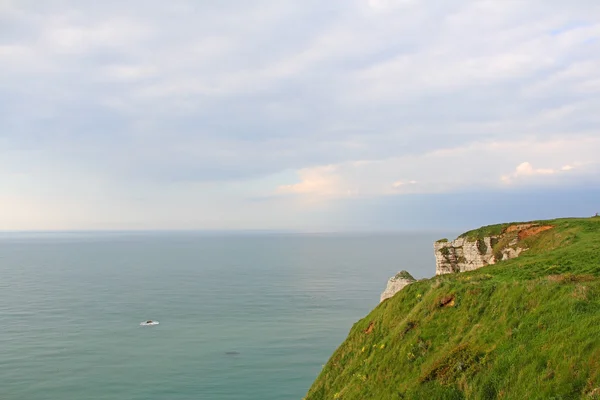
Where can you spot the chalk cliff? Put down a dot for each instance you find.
(396, 284)
(463, 255)
(474, 250)
(524, 328)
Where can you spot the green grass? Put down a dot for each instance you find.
(527, 328)
(404, 275)
(490, 230)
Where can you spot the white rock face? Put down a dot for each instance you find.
(511, 253)
(462, 255)
(396, 284)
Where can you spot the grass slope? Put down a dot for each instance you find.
(527, 328)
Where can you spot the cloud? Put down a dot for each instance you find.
(357, 99)
(477, 166)
(315, 182)
(130, 72)
(386, 4)
(526, 171)
(399, 184)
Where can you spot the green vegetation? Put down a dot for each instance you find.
(445, 251)
(490, 230)
(526, 328)
(481, 246)
(404, 275)
(503, 243)
(444, 240)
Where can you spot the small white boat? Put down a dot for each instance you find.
(149, 323)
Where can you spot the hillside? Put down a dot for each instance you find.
(525, 328)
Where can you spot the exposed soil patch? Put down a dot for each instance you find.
(447, 301)
(581, 292)
(409, 327)
(518, 227)
(594, 393)
(370, 328)
(533, 231)
(457, 362)
(570, 278)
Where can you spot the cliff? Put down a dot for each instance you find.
(396, 284)
(516, 328)
(475, 249)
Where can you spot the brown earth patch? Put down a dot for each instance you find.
(409, 327)
(533, 231)
(370, 328)
(555, 278)
(570, 278)
(517, 228)
(581, 292)
(444, 370)
(594, 394)
(447, 301)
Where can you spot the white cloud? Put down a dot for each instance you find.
(317, 182)
(65, 35)
(478, 165)
(399, 184)
(526, 170)
(386, 4)
(130, 72)
(364, 99)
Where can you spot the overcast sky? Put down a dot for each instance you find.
(302, 115)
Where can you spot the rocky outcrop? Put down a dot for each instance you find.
(463, 255)
(396, 284)
(468, 253)
(471, 251)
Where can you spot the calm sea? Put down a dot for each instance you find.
(241, 316)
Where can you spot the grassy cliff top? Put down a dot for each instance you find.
(404, 275)
(498, 229)
(527, 328)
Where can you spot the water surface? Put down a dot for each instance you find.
(241, 316)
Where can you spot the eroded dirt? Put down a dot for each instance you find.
(447, 301)
(534, 230)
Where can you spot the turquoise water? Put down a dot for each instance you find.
(241, 316)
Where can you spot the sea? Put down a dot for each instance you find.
(241, 315)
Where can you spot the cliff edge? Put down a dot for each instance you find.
(478, 248)
(396, 283)
(525, 327)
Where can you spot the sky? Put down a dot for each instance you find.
(336, 115)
